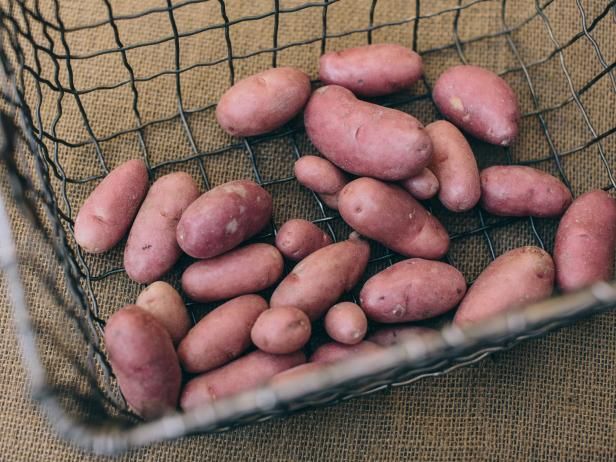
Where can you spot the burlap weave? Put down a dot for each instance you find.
(550, 399)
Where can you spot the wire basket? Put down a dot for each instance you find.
(142, 80)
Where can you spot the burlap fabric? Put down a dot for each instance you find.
(550, 399)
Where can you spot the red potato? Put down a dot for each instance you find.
(423, 186)
(364, 138)
(245, 373)
(518, 277)
(322, 177)
(221, 335)
(241, 271)
(163, 302)
(585, 242)
(395, 335)
(152, 249)
(454, 164)
(223, 217)
(294, 372)
(334, 352)
(479, 102)
(281, 330)
(263, 102)
(388, 214)
(346, 323)
(371, 70)
(144, 362)
(412, 290)
(107, 213)
(519, 191)
(297, 239)
(317, 282)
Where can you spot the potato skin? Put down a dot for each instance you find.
(152, 249)
(223, 217)
(322, 177)
(366, 139)
(346, 323)
(520, 276)
(423, 186)
(107, 213)
(388, 214)
(333, 352)
(163, 302)
(221, 335)
(263, 102)
(520, 191)
(585, 242)
(371, 70)
(296, 239)
(454, 164)
(412, 290)
(322, 277)
(296, 371)
(143, 360)
(479, 102)
(389, 336)
(241, 271)
(281, 330)
(243, 374)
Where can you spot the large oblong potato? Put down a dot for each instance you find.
(520, 191)
(144, 361)
(412, 290)
(109, 210)
(296, 239)
(241, 271)
(281, 330)
(333, 352)
(223, 217)
(322, 177)
(423, 186)
(221, 335)
(322, 277)
(247, 372)
(479, 102)
(585, 241)
(366, 139)
(388, 214)
(152, 249)
(372, 70)
(520, 276)
(454, 164)
(263, 102)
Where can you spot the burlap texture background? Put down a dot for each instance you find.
(551, 399)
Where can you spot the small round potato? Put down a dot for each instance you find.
(281, 330)
(333, 352)
(322, 177)
(389, 336)
(163, 302)
(520, 191)
(241, 271)
(479, 102)
(107, 213)
(346, 323)
(423, 186)
(263, 102)
(372, 70)
(297, 239)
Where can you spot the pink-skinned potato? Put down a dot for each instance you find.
(366, 139)
(263, 102)
(245, 270)
(520, 191)
(585, 242)
(281, 330)
(346, 322)
(395, 335)
(221, 335)
(372, 70)
(423, 186)
(152, 249)
(322, 177)
(479, 102)
(144, 361)
(412, 290)
(294, 372)
(223, 217)
(106, 215)
(333, 352)
(296, 239)
(517, 277)
(317, 281)
(248, 372)
(389, 215)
